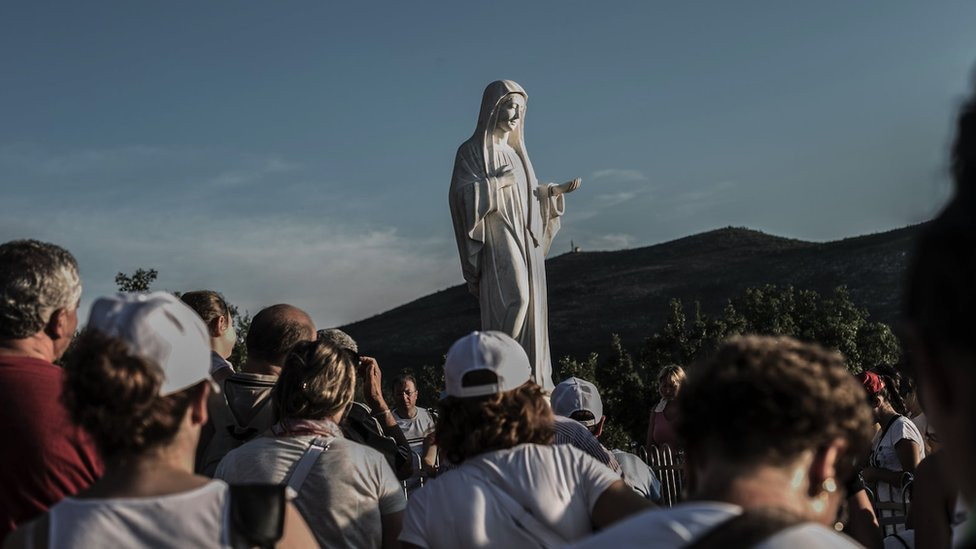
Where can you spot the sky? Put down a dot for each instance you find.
(301, 151)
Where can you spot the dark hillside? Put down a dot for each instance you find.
(592, 294)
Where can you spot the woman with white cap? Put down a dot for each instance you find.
(138, 383)
(511, 487)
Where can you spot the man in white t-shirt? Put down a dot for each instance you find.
(416, 423)
(511, 487)
(580, 400)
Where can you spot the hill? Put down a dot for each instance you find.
(592, 294)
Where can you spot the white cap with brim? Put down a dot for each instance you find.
(491, 351)
(577, 395)
(159, 327)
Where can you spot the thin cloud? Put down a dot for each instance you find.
(618, 174)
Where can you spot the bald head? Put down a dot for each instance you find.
(275, 330)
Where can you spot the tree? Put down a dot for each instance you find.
(628, 387)
(139, 281)
(242, 323)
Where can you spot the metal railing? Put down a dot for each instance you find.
(667, 466)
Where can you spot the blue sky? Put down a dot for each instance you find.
(301, 152)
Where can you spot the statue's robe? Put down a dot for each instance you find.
(503, 234)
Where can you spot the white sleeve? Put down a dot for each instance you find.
(594, 477)
(907, 430)
(414, 521)
(391, 496)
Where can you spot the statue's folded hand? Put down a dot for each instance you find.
(504, 176)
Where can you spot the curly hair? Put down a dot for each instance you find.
(467, 427)
(316, 382)
(114, 396)
(762, 399)
(36, 279)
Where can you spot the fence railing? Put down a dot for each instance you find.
(667, 465)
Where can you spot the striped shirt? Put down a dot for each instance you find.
(569, 431)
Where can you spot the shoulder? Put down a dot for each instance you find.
(669, 528)
(808, 535)
(905, 428)
(424, 415)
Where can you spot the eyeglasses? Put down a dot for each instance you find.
(408, 393)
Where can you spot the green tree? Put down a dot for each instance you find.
(139, 281)
(833, 321)
(242, 324)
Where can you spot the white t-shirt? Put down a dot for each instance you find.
(556, 484)
(416, 428)
(680, 525)
(638, 475)
(883, 452)
(197, 518)
(344, 495)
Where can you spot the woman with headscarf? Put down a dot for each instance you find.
(504, 222)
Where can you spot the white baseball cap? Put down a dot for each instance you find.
(159, 327)
(492, 351)
(577, 395)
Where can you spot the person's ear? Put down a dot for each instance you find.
(59, 325)
(876, 401)
(823, 467)
(198, 406)
(218, 325)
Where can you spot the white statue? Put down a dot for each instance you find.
(504, 222)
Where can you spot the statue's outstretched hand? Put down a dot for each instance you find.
(566, 187)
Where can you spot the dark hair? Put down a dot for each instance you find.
(114, 396)
(208, 304)
(317, 381)
(898, 388)
(401, 379)
(276, 330)
(36, 279)
(470, 426)
(777, 398)
(941, 294)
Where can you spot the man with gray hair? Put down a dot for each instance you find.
(46, 457)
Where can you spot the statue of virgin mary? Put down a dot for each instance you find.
(504, 222)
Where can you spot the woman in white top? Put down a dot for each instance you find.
(346, 491)
(137, 382)
(898, 447)
(511, 487)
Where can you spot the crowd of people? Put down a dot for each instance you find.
(146, 435)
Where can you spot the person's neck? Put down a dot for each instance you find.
(161, 471)
(36, 346)
(500, 137)
(217, 346)
(406, 413)
(885, 415)
(255, 366)
(759, 487)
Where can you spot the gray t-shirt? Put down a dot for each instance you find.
(347, 491)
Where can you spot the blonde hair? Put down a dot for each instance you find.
(671, 371)
(317, 382)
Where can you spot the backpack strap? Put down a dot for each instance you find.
(257, 515)
(542, 534)
(298, 476)
(750, 528)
